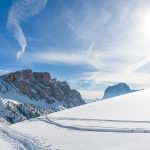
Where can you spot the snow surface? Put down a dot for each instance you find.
(119, 123)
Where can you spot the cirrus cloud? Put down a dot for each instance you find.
(20, 11)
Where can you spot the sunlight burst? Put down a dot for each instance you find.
(144, 24)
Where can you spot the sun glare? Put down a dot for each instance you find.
(144, 24)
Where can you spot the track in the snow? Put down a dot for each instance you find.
(20, 141)
(52, 121)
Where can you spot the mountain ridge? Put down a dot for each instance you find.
(24, 92)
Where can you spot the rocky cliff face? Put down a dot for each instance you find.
(40, 86)
(39, 90)
(116, 90)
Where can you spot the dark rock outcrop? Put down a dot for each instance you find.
(40, 86)
(116, 90)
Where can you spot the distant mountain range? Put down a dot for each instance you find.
(116, 90)
(112, 91)
(26, 94)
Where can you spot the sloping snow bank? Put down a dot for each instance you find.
(119, 123)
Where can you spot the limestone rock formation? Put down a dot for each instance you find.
(40, 86)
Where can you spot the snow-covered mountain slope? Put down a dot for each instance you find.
(119, 123)
(26, 94)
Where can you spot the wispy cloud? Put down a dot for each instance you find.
(51, 57)
(137, 65)
(21, 11)
(5, 71)
(111, 78)
(108, 39)
(86, 24)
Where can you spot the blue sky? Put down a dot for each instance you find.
(89, 43)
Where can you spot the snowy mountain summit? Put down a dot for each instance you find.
(116, 90)
(26, 94)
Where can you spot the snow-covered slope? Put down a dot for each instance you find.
(119, 123)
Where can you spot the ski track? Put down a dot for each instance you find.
(51, 120)
(100, 120)
(20, 141)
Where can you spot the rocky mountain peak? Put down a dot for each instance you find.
(40, 86)
(116, 90)
(40, 77)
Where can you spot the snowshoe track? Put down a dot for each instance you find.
(20, 141)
